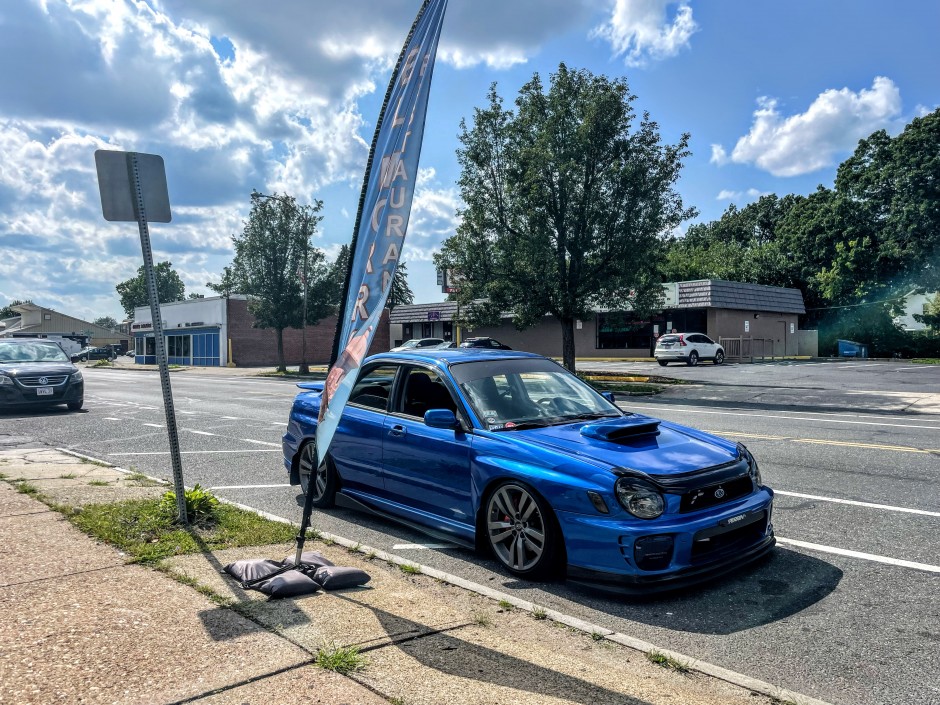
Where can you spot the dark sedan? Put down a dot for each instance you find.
(481, 342)
(36, 372)
(86, 354)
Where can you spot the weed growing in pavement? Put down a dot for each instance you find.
(141, 480)
(482, 619)
(189, 581)
(201, 505)
(354, 549)
(99, 483)
(91, 461)
(68, 476)
(409, 569)
(506, 606)
(774, 700)
(342, 659)
(370, 555)
(539, 613)
(660, 659)
(597, 636)
(24, 487)
(397, 701)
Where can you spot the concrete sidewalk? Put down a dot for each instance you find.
(81, 625)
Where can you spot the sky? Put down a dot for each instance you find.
(283, 97)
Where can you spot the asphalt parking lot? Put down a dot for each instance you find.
(846, 609)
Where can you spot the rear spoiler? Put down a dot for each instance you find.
(312, 386)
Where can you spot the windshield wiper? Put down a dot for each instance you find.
(592, 415)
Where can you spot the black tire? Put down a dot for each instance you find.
(719, 357)
(662, 363)
(325, 487)
(520, 530)
(693, 359)
(84, 358)
(75, 405)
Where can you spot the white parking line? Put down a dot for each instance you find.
(420, 546)
(688, 410)
(246, 487)
(198, 452)
(201, 433)
(278, 423)
(261, 443)
(858, 554)
(153, 425)
(870, 505)
(110, 418)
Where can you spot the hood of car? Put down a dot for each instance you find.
(638, 442)
(17, 369)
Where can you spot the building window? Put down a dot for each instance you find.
(178, 349)
(623, 330)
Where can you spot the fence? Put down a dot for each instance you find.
(747, 349)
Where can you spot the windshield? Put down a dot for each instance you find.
(527, 392)
(31, 352)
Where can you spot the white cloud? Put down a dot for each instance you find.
(805, 142)
(739, 196)
(642, 30)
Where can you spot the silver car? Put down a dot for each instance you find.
(688, 348)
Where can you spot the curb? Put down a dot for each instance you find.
(693, 664)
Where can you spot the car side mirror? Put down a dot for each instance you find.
(440, 418)
(609, 396)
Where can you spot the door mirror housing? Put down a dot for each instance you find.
(609, 396)
(440, 418)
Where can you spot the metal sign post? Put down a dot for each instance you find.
(133, 185)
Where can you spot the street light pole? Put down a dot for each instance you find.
(304, 368)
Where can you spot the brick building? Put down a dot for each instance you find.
(214, 331)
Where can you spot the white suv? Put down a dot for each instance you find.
(688, 348)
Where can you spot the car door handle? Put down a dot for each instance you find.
(397, 431)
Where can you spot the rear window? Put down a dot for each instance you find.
(669, 339)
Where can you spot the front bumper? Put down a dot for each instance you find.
(607, 553)
(15, 395)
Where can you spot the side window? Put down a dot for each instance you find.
(707, 340)
(424, 390)
(374, 388)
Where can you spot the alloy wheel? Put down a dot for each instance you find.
(308, 460)
(516, 528)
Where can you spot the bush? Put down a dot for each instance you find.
(200, 505)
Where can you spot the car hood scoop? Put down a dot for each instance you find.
(626, 428)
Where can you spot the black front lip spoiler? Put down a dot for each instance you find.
(647, 584)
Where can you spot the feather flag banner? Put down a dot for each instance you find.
(384, 210)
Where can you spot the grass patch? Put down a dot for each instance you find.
(24, 487)
(660, 659)
(597, 636)
(482, 619)
(147, 534)
(409, 569)
(102, 363)
(341, 659)
(926, 360)
(89, 461)
(68, 476)
(539, 613)
(506, 606)
(99, 483)
(141, 480)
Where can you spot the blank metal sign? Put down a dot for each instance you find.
(117, 194)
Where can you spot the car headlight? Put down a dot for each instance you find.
(639, 499)
(5, 380)
(752, 468)
(76, 377)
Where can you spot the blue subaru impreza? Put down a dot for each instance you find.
(510, 452)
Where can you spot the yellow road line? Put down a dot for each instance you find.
(820, 441)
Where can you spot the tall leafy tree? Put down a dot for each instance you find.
(106, 322)
(272, 254)
(567, 201)
(133, 292)
(400, 294)
(8, 312)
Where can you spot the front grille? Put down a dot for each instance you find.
(34, 380)
(719, 493)
(708, 543)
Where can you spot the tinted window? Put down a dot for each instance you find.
(374, 388)
(669, 339)
(424, 390)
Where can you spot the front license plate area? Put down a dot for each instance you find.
(43, 391)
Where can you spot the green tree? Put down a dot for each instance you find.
(106, 322)
(133, 292)
(931, 315)
(566, 204)
(8, 312)
(400, 294)
(271, 256)
(226, 286)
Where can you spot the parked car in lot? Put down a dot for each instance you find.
(509, 452)
(86, 354)
(483, 342)
(416, 343)
(37, 372)
(689, 348)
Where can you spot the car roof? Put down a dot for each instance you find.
(450, 356)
